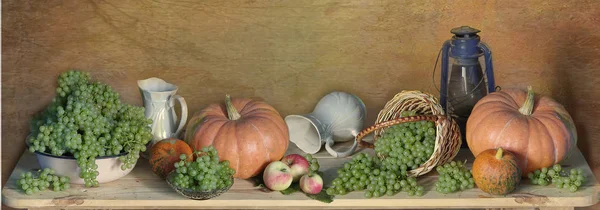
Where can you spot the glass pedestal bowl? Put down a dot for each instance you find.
(196, 195)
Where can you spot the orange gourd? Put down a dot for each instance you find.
(249, 139)
(496, 171)
(537, 129)
(165, 153)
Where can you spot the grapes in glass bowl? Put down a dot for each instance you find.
(204, 178)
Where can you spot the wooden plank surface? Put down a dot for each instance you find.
(142, 189)
(291, 53)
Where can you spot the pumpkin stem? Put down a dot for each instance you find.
(232, 113)
(527, 107)
(499, 153)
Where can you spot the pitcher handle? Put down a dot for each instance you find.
(328, 146)
(184, 112)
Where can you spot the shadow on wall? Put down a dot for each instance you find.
(573, 53)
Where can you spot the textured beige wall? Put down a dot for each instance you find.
(290, 53)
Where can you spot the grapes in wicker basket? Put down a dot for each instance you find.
(401, 148)
(408, 145)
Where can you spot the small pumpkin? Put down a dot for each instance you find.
(249, 139)
(496, 171)
(537, 129)
(165, 153)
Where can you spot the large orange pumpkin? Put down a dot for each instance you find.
(249, 139)
(537, 129)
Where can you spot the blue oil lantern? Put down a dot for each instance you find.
(464, 80)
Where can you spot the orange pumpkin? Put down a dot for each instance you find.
(496, 171)
(165, 153)
(249, 139)
(537, 129)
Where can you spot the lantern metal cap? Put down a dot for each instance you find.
(465, 31)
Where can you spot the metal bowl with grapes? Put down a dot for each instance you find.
(109, 167)
(194, 194)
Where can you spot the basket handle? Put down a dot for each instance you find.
(363, 133)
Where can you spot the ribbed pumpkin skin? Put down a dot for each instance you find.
(496, 176)
(539, 140)
(249, 143)
(165, 153)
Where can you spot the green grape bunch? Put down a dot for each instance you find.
(206, 173)
(313, 162)
(557, 175)
(87, 120)
(401, 148)
(366, 173)
(44, 179)
(406, 146)
(453, 177)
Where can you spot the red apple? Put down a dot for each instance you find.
(311, 183)
(277, 176)
(298, 164)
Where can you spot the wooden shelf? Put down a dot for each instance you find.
(142, 189)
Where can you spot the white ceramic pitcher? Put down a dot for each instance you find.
(159, 100)
(338, 117)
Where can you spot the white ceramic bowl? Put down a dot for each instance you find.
(109, 167)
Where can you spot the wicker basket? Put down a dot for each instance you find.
(447, 141)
